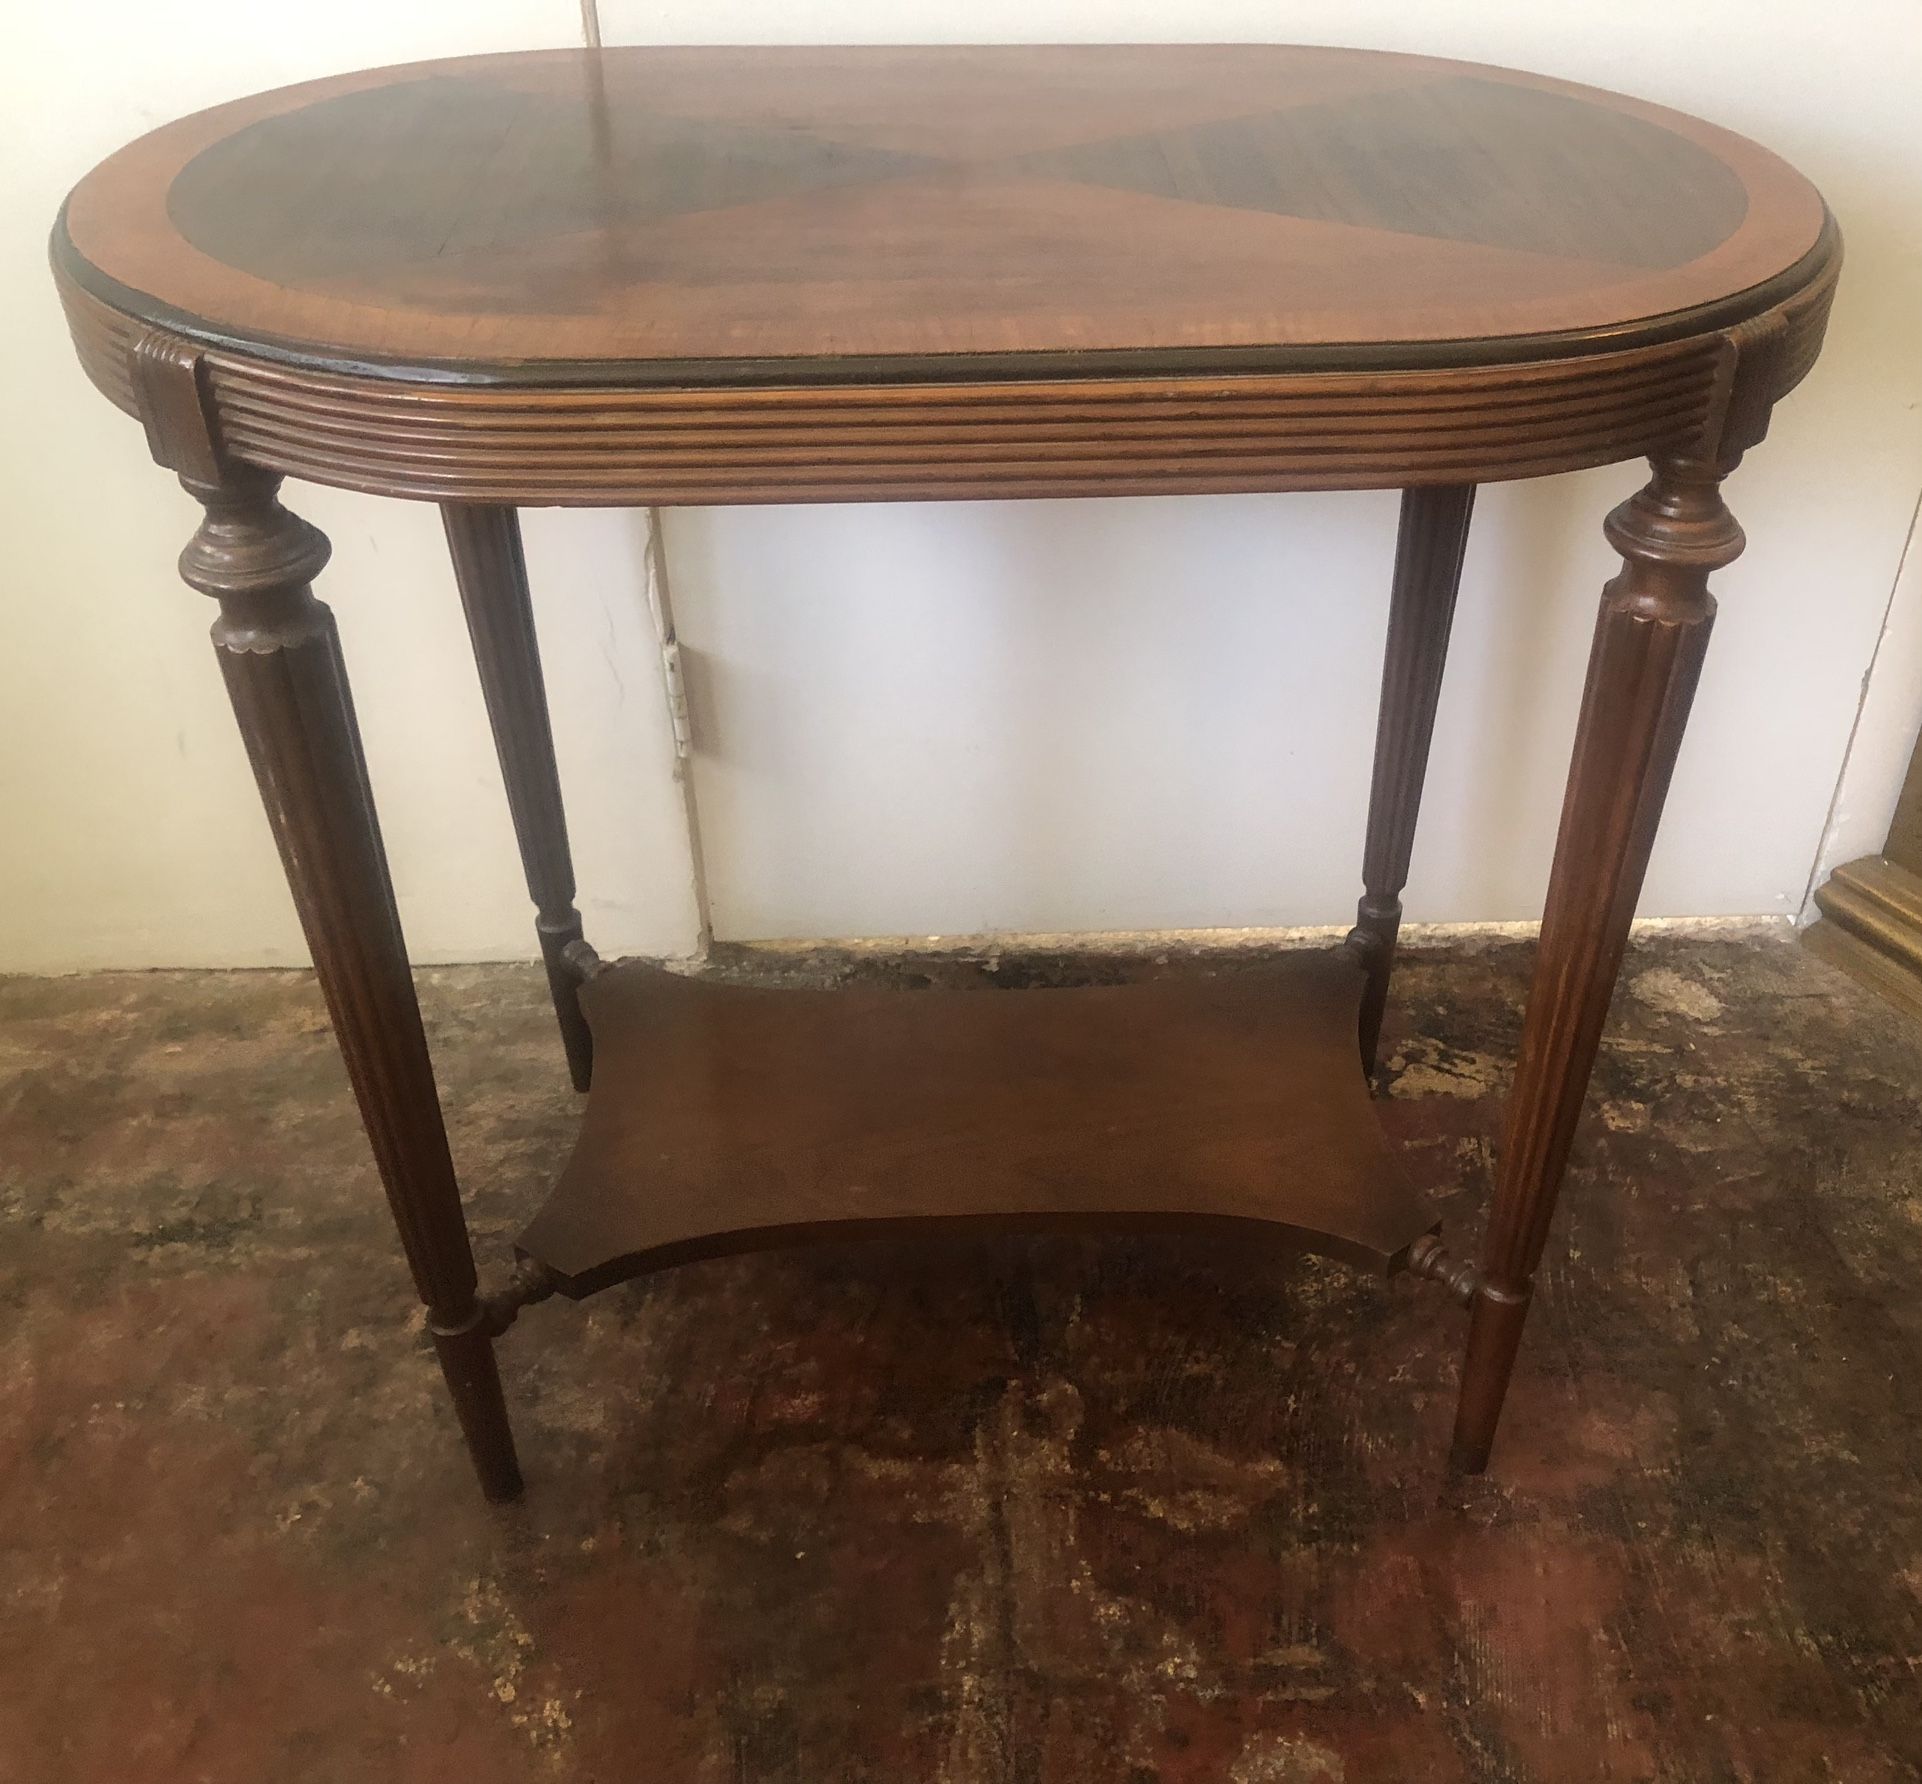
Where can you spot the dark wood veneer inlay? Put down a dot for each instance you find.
(422, 173)
(1459, 160)
(707, 206)
(414, 176)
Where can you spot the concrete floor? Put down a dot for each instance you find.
(1039, 1510)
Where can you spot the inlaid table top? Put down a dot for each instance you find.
(695, 211)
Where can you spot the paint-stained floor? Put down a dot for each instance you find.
(1099, 1511)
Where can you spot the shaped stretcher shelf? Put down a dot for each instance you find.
(727, 1118)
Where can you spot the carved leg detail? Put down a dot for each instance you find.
(1647, 656)
(280, 655)
(1428, 569)
(490, 567)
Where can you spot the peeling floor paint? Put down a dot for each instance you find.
(1663, 988)
(1022, 1511)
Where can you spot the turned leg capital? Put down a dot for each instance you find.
(248, 548)
(1676, 521)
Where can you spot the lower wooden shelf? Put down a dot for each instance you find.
(728, 1118)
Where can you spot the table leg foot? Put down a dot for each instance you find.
(1494, 1336)
(474, 1383)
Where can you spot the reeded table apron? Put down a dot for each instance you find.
(807, 275)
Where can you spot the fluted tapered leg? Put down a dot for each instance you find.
(1428, 571)
(1647, 655)
(280, 654)
(491, 569)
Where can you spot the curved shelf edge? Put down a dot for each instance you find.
(728, 1118)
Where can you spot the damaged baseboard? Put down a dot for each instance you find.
(1205, 941)
(1871, 927)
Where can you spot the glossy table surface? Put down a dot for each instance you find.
(1169, 205)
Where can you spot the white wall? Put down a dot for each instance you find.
(1885, 730)
(1131, 713)
(130, 834)
(1061, 716)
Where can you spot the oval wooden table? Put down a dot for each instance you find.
(792, 275)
